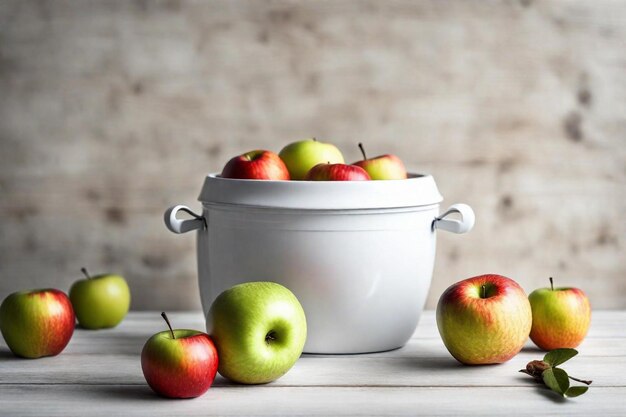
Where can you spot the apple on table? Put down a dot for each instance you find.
(383, 167)
(100, 301)
(336, 172)
(561, 317)
(37, 323)
(179, 363)
(301, 156)
(484, 319)
(259, 329)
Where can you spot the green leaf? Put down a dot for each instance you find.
(558, 356)
(556, 379)
(575, 391)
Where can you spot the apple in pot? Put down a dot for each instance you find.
(259, 329)
(561, 317)
(37, 323)
(256, 165)
(337, 172)
(303, 155)
(179, 363)
(484, 319)
(383, 167)
(100, 301)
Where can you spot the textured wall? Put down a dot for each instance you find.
(112, 110)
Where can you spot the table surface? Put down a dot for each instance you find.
(99, 373)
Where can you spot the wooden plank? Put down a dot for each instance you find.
(437, 370)
(97, 400)
(89, 342)
(605, 323)
(112, 357)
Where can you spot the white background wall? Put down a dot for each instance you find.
(112, 110)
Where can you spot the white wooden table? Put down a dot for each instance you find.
(99, 373)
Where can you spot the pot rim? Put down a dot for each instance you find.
(415, 191)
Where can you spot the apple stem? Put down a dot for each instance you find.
(168, 324)
(551, 283)
(586, 382)
(362, 150)
(314, 139)
(270, 337)
(84, 271)
(484, 287)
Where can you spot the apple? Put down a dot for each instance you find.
(337, 172)
(484, 319)
(256, 165)
(561, 317)
(303, 155)
(37, 323)
(259, 329)
(179, 363)
(101, 301)
(383, 167)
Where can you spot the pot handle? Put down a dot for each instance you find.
(456, 226)
(183, 226)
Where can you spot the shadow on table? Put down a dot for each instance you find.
(145, 393)
(7, 355)
(428, 364)
(130, 392)
(534, 349)
(542, 390)
(550, 395)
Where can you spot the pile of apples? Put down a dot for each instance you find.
(37, 323)
(312, 160)
(255, 332)
(487, 319)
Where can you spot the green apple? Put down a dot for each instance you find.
(259, 329)
(484, 319)
(37, 323)
(561, 317)
(303, 155)
(101, 301)
(383, 167)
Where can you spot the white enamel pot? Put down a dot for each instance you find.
(358, 255)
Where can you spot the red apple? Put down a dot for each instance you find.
(383, 167)
(37, 323)
(561, 317)
(179, 363)
(484, 319)
(256, 165)
(337, 172)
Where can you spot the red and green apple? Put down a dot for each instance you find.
(336, 172)
(256, 165)
(179, 363)
(259, 329)
(383, 167)
(561, 317)
(100, 301)
(484, 319)
(37, 323)
(303, 155)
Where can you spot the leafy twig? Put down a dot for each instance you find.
(556, 379)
